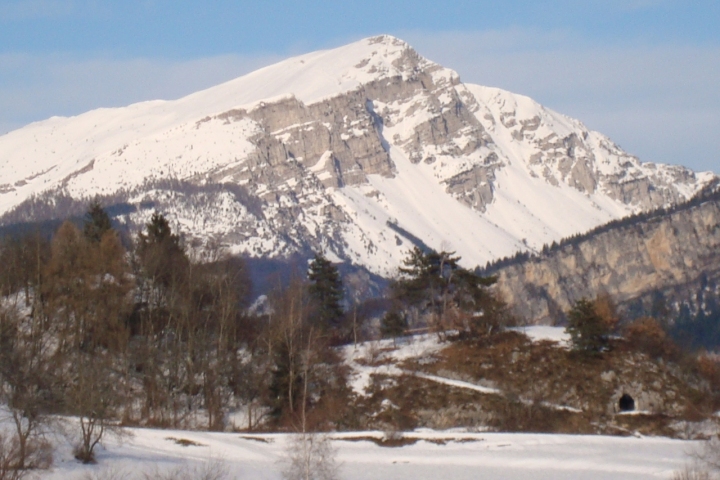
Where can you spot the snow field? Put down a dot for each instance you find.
(454, 455)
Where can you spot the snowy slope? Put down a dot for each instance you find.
(361, 151)
(161, 134)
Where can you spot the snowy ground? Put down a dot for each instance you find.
(462, 456)
(545, 332)
(381, 356)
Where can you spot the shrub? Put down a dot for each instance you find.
(691, 473)
(310, 457)
(37, 455)
(647, 335)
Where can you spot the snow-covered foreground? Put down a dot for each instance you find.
(456, 454)
(461, 456)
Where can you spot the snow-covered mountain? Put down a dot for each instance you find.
(361, 151)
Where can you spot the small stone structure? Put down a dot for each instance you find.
(626, 403)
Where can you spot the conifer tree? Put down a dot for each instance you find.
(326, 289)
(96, 223)
(161, 253)
(393, 324)
(588, 330)
(436, 284)
(88, 285)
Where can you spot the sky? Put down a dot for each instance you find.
(644, 72)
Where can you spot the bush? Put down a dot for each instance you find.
(310, 457)
(38, 456)
(691, 473)
(647, 335)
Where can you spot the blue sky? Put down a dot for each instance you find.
(645, 72)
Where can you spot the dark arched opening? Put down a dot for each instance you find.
(627, 403)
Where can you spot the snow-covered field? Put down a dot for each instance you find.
(437, 455)
(538, 333)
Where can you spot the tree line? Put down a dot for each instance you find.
(160, 334)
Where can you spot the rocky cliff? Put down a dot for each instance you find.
(672, 256)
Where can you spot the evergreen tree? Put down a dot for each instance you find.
(588, 330)
(393, 324)
(161, 253)
(159, 232)
(96, 223)
(435, 283)
(326, 289)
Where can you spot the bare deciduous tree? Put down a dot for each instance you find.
(26, 387)
(310, 456)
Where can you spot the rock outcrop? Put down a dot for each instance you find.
(673, 256)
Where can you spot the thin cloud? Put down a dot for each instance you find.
(634, 5)
(623, 6)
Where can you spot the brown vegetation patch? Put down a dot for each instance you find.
(538, 379)
(390, 441)
(257, 439)
(184, 442)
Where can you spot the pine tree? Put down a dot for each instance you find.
(588, 330)
(435, 283)
(393, 324)
(161, 253)
(326, 289)
(159, 231)
(97, 223)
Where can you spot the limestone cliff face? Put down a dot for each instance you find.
(340, 139)
(671, 254)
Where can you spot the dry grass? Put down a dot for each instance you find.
(400, 441)
(536, 378)
(184, 442)
(213, 469)
(692, 472)
(38, 456)
(257, 439)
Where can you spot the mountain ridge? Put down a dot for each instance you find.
(335, 145)
(650, 264)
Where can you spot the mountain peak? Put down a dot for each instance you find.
(361, 151)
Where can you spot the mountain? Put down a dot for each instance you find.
(362, 151)
(652, 264)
